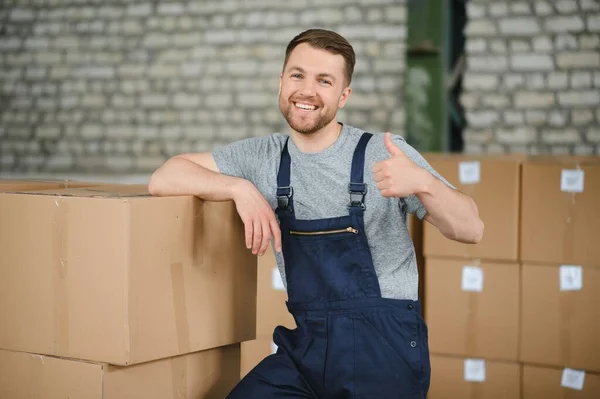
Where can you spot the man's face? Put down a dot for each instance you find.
(311, 88)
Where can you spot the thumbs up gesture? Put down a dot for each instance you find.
(398, 176)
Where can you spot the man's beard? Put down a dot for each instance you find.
(305, 128)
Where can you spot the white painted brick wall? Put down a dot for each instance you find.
(533, 76)
(119, 86)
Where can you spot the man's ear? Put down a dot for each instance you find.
(344, 97)
(280, 79)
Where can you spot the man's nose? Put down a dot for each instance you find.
(308, 88)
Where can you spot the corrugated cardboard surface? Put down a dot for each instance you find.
(271, 309)
(208, 374)
(560, 328)
(497, 197)
(558, 226)
(545, 383)
(472, 324)
(253, 352)
(502, 380)
(122, 278)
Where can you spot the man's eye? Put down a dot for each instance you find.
(296, 76)
(326, 82)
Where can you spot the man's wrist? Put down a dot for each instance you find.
(427, 183)
(237, 186)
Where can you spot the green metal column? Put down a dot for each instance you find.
(433, 120)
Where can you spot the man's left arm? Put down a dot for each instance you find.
(453, 213)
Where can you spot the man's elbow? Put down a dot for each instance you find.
(154, 185)
(156, 182)
(476, 232)
(471, 235)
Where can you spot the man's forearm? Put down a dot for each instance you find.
(179, 176)
(452, 212)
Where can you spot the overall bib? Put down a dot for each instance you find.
(349, 341)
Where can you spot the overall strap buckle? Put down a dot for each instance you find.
(283, 197)
(357, 191)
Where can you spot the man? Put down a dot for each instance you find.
(340, 197)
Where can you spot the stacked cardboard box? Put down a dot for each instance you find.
(560, 255)
(498, 305)
(472, 291)
(139, 296)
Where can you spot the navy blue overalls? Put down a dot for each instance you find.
(349, 341)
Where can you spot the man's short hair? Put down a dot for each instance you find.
(326, 40)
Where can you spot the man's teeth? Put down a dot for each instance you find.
(306, 106)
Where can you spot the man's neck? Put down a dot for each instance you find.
(317, 141)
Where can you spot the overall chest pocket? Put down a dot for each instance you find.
(328, 265)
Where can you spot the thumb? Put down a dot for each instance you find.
(392, 148)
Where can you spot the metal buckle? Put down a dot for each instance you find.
(357, 198)
(283, 201)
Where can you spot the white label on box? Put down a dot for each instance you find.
(472, 279)
(474, 370)
(571, 278)
(571, 180)
(273, 347)
(277, 282)
(573, 379)
(469, 172)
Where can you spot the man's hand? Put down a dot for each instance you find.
(258, 217)
(398, 176)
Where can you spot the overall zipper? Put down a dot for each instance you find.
(314, 233)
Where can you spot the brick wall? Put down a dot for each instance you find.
(533, 76)
(114, 86)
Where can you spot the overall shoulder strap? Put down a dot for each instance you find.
(284, 190)
(357, 188)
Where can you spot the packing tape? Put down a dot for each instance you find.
(179, 376)
(200, 232)
(471, 325)
(569, 229)
(179, 303)
(60, 235)
(471, 344)
(567, 308)
(476, 390)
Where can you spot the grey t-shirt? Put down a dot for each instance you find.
(320, 183)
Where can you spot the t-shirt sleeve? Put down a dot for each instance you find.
(240, 158)
(412, 203)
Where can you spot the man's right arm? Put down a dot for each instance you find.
(199, 175)
(194, 174)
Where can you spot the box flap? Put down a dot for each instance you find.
(109, 192)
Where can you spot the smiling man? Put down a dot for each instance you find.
(334, 200)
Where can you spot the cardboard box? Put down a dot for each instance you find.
(561, 216)
(122, 277)
(253, 352)
(494, 183)
(560, 316)
(473, 379)
(208, 374)
(271, 308)
(547, 383)
(472, 309)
